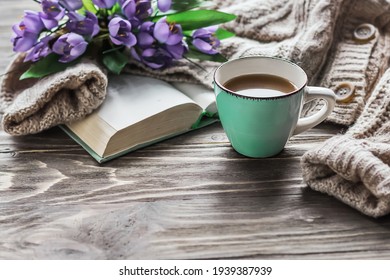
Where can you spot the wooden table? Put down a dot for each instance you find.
(191, 197)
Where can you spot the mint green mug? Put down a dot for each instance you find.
(259, 126)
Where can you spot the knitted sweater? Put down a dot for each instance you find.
(341, 44)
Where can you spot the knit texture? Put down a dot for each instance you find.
(355, 167)
(33, 105)
(360, 63)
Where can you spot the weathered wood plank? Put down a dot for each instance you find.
(189, 197)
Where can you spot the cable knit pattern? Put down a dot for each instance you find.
(357, 62)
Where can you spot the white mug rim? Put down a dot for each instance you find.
(260, 98)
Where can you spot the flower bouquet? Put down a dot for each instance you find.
(152, 32)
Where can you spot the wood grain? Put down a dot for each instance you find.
(190, 197)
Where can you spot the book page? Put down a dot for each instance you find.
(132, 98)
(202, 95)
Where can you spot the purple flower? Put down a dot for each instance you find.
(51, 13)
(70, 46)
(154, 58)
(164, 5)
(71, 5)
(205, 41)
(120, 32)
(40, 50)
(153, 53)
(22, 41)
(105, 4)
(26, 32)
(145, 37)
(84, 25)
(136, 10)
(177, 51)
(167, 33)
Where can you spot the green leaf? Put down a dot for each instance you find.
(185, 5)
(89, 6)
(116, 9)
(46, 66)
(195, 19)
(223, 34)
(195, 54)
(115, 61)
(188, 33)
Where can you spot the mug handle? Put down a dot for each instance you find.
(312, 93)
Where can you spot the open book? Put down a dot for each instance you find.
(139, 111)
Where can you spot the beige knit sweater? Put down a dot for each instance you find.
(33, 105)
(322, 37)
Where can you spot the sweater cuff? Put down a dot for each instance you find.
(355, 171)
(33, 105)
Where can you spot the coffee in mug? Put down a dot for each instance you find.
(260, 85)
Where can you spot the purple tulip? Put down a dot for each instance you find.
(177, 51)
(22, 40)
(205, 41)
(145, 37)
(154, 58)
(51, 14)
(26, 32)
(167, 33)
(153, 53)
(120, 32)
(84, 25)
(136, 10)
(164, 5)
(105, 4)
(70, 46)
(40, 50)
(71, 5)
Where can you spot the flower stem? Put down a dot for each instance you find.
(112, 50)
(101, 37)
(103, 12)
